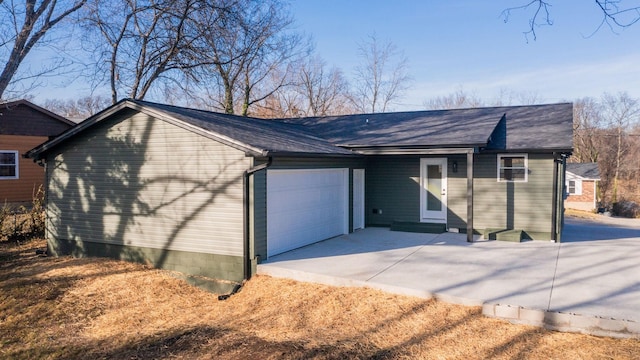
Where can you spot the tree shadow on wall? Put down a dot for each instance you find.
(132, 189)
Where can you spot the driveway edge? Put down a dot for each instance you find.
(564, 322)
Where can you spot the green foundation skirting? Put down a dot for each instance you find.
(406, 226)
(513, 235)
(214, 266)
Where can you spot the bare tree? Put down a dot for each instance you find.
(587, 128)
(621, 113)
(509, 97)
(381, 78)
(615, 14)
(325, 91)
(77, 109)
(142, 42)
(285, 102)
(456, 100)
(23, 27)
(251, 49)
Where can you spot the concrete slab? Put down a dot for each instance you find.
(591, 277)
(601, 274)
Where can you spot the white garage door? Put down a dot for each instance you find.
(305, 206)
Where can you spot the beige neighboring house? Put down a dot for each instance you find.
(582, 186)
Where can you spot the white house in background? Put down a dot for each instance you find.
(581, 186)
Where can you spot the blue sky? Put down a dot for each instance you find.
(466, 45)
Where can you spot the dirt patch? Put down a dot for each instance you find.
(96, 308)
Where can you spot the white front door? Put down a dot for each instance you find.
(358, 199)
(433, 190)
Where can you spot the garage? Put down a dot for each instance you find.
(305, 206)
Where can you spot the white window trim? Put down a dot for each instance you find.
(577, 189)
(17, 157)
(526, 167)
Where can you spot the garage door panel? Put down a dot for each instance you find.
(305, 206)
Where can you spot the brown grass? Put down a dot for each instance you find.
(581, 214)
(102, 309)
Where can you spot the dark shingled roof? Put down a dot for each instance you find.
(516, 128)
(539, 127)
(22, 117)
(267, 135)
(584, 170)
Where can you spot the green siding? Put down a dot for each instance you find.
(198, 264)
(392, 185)
(457, 193)
(138, 182)
(514, 205)
(317, 163)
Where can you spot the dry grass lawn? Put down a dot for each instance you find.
(61, 308)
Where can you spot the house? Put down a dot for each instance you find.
(213, 194)
(582, 186)
(23, 126)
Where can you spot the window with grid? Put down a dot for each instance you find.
(512, 168)
(8, 164)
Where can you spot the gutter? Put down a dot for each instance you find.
(246, 238)
(245, 218)
(557, 212)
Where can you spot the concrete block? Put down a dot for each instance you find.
(532, 317)
(507, 311)
(611, 324)
(633, 327)
(557, 319)
(489, 310)
(584, 322)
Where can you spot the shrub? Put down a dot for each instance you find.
(626, 208)
(24, 222)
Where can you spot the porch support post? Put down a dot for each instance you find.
(470, 196)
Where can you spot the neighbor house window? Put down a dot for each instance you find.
(8, 164)
(512, 168)
(574, 187)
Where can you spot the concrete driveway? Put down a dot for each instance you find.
(588, 283)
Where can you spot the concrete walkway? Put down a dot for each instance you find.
(589, 283)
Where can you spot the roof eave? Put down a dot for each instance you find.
(530, 150)
(415, 150)
(38, 152)
(309, 154)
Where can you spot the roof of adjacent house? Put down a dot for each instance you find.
(517, 128)
(533, 127)
(22, 117)
(587, 171)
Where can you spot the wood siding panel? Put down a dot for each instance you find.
(30, 174)
(139, 181)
